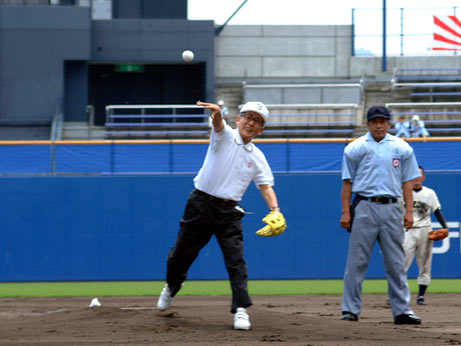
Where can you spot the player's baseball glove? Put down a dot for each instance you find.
(276, 224)
(438, 234)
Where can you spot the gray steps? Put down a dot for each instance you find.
(79, 130)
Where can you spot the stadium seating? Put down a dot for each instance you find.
(302, 120)
(433, 94)
(297, 110)
(426, 84)
(308, 110)
(190, 122)
(156, 122)
(440, 118)
(311, 120)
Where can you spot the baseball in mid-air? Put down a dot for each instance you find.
(187, 56)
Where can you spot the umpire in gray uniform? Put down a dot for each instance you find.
(231, 163)
(377, 168)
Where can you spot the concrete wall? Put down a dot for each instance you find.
(302, 93)
(45, 51)
(154, 41)
(34, 43)
(289, 52)
(296, 53)
(151, 40)
(149, 8)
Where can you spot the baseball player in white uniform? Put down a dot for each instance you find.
(416, 242)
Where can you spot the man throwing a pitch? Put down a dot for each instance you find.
(418, 239)
(377, 167)
(231, 163)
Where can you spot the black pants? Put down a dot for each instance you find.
(203, 218)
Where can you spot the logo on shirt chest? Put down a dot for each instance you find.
(395, 162)
(250, 164)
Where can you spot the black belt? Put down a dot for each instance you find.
(379, 199)
(220, 201)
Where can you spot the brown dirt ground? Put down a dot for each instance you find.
(310, 320)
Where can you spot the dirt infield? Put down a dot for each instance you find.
(289, 320)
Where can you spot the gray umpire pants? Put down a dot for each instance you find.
(383, 223)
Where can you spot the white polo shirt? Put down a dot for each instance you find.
(230, 166)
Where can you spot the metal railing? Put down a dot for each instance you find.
(312, 114)
(90, 113)
(56, 123)
(297, 120)
(156, 120)
(427, 84)
(144, 112)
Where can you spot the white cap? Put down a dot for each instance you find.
(221, 102)
(257, 107)
(415, 117)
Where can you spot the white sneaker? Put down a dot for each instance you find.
(165, 299)
(241, 319)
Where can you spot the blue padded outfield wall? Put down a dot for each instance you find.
(121, 228)
(154, 157)
(110, 210)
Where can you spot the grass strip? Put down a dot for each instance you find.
(204, 288)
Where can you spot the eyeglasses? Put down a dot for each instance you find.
(256, 118)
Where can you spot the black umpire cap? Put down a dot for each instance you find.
(378, 111)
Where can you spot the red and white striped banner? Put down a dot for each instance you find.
(447, 33)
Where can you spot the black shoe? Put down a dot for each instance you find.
(407, 319)
(349, 316)
(421, 301)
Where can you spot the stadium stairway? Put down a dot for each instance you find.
(79, 130)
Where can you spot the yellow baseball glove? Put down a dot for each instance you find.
(276, 224)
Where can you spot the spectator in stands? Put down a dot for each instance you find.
(401, 128)
(417, 128)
